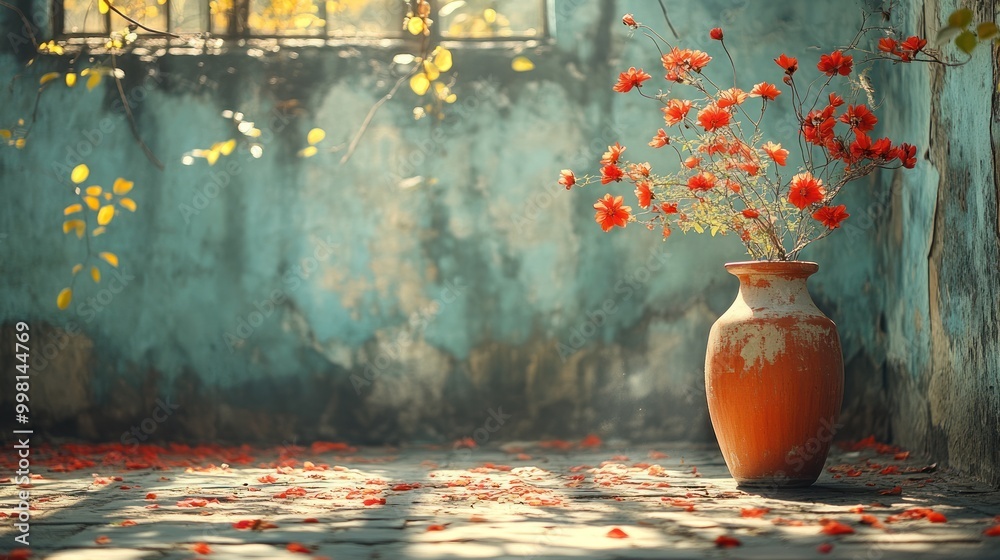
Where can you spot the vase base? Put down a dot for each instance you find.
(775, 482)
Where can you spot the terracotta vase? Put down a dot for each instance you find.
(774, 375)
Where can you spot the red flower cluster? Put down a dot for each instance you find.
(681, 62)
(906, 51)
(630, 79)
(835, 63)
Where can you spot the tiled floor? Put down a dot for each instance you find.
(525, 501)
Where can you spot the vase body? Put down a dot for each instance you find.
(774, 376)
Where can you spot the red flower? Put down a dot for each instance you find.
(863, 148)
(716, 33)
(835, 63)
(644, 194)
(614, 152)
(669, 207)
(703, 181)
(731, 96)
(713, 117)
(776, 152)
(611, 172)
(805, 190)
(859, 118)
(630, 79)
(691, 162)
(617, 533)
(790, 64)
(831, 216)
(723, 541)
(628, 20)
(636, 171)
(910, 47)
(675, 111)
(765, 90)
(836, 100)
(567, 178)
(838, 150)
(908, 155)
(818, 127)
(831, 527)
(750, 214)
(887, 45)
(611, 213)
(660, 140)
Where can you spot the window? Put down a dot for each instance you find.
(454, 19)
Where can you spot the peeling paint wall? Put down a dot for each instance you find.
(442, 274)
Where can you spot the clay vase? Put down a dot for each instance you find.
(774, 376)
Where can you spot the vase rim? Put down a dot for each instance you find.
(795, 268)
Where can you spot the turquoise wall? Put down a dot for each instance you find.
(441, 273)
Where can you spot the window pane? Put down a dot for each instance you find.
(220, 10)
(151, 13)
(354, 18)
(286, 17)
(82, 16)
(188, 16)
(491, 18)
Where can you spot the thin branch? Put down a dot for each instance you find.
(24, 19)
(666, 17)
(139, 25)
(131, 119)
(371, 114)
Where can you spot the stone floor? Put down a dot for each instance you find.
(550, 500)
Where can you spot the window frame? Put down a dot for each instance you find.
(239, 31)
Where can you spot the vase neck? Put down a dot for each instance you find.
(773, 284)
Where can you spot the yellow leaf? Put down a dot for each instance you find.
(5, 134)
(108, 196)
(110, 258)
(70, 225)
(315, 136)
(212, 156)
(92, 202)
(98, 231)
(432, 71)
(105, 215)
(152, 12)
(308, 152)
(697, 227)
(77, 268)
(960, 18)
(80, 173)
(95, 274)
(225, 149)
(490, 15)
(102, 6)
(442, 59)
(419, 84)
(72, 209)
(19, 143)
(94, 190)
(127, 203)
(522, 64)
(48, 78)
(65, 296)
(70, 79)
(415, 26)
(93, 80)
(122, 186)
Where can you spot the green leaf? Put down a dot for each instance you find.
(966, 42)
(960, 18)
(986, 30)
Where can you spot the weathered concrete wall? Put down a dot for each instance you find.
(480, 284)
